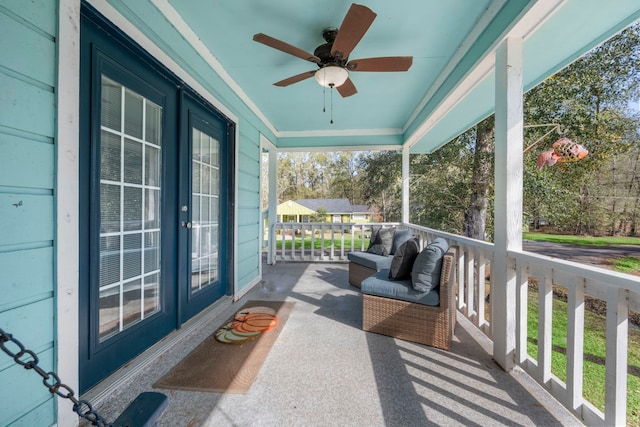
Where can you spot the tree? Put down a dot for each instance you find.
(475, 219)
(589, 99)
(381, 183)
(319, 216)
(439, 186)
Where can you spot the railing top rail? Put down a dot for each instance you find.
(608, 277)
(338, 224)
(466, 241)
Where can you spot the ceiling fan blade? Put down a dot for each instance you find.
(388, 63)
(295, 79)
(355, 24)
(347, 88)
(285, 47)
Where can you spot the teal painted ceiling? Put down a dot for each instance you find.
(448, 88)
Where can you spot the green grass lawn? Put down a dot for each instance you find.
(594, 355)
(627, 264)
(317, 242)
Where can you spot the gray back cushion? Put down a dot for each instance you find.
(382, 242)
(425, 274)
(399, 237)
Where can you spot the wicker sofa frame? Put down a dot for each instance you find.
(358, 272)
(424, 324)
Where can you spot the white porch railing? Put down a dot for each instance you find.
(320, 241)
(621, 292)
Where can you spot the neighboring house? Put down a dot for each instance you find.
(291, 211)
(338, 210)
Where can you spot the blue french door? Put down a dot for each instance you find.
(204, 191)
(155, 166)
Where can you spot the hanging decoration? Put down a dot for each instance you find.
(564, 150)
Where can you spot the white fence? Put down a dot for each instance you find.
(621, 292)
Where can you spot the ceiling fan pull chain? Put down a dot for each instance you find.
(331, 105)
(324, 100)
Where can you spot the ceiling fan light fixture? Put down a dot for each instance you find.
(331, 76)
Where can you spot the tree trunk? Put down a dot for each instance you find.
(476, 216)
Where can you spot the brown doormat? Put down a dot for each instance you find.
(226, 368)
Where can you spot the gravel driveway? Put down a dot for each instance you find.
(593, 255)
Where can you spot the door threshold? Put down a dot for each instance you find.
(112, 383)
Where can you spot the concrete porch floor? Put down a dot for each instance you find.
(325, 371)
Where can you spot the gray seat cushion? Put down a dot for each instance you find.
(380, 285)
(367, 259)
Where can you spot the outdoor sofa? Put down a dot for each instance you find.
(413, 297)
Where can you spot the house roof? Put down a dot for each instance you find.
(293, 208)
(333, 206)
(360, 209)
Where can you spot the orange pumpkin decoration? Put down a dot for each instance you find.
(258, 309)
(226, 334)
(254, 322)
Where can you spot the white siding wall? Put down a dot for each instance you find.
(27, 210)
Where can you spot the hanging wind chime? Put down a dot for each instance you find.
(564, 150)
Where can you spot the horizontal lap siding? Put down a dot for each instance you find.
(27, 207)
(248, 205)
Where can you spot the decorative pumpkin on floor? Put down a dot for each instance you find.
(248, 324)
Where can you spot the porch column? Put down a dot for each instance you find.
(67, 202)
(405, 185)
(273, 203)
(508, 198)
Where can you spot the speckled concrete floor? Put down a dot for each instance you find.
(325, 371)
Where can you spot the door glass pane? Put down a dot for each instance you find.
(205, 207)
(130, 193)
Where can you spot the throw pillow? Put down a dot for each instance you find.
(402, 262)
(385, 237)
(399, 237)
(378, 249)
(425, 274)
(381, 243)
(374, 236)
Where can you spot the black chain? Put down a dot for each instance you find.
(29, 360)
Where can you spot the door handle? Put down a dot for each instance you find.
(186, 224)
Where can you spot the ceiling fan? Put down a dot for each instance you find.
(332, 57)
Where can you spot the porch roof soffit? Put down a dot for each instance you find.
(449, 88)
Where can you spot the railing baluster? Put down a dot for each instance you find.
(461, 278)
(313, 242)
(545, 307)
(282, 248)
(293, 243)
(469, 280)
(353, 238)
(333, 243)
(615, 409)
(322, 242)
(522, 303)
(575, 343)
(302, 239)
(481, 279)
